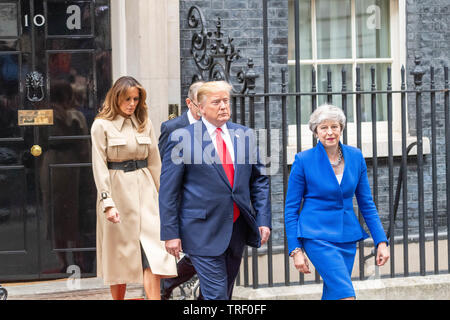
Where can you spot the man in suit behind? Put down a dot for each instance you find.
(190, 116)
(184, 267)
(213, 165)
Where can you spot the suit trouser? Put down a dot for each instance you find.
(218, 273)
(185, 271)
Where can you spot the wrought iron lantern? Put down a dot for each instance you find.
(214, 54)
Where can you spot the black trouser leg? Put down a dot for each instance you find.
(185, 271)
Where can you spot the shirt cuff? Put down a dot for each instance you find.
(108, 202)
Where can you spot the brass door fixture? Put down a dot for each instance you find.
(36, 150)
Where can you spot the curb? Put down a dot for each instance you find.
(433, 287)
(86, 289)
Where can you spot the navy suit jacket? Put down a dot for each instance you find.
(169, 126)
(192, 170)
(327, 212)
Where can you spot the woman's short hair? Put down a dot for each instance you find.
(212, 86)
(326, 112)
(115, 95)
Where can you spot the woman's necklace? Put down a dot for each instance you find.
(335, 164)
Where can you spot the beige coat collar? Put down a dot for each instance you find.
(119, 120)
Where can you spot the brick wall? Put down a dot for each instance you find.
(428, 34)
(242, 20)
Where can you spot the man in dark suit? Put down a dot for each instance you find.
(213, 165)
(184, 267)
(187, 118)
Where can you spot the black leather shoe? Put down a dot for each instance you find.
(185, 271)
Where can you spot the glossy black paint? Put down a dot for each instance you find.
(47, 203)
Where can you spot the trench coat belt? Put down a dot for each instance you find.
(127, 166)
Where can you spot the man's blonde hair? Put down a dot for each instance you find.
(211, 87)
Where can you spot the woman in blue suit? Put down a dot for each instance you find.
(326, 178)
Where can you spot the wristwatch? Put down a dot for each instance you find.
(104, 195)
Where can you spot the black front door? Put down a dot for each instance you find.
(55, 69)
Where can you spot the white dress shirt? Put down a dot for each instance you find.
(191, 117)
(225, 135)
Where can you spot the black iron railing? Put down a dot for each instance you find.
(245, 106)
(421, 109)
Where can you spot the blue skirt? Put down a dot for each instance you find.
(334, 262)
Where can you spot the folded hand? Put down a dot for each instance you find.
(173, 247)
(301, 262)
(264, 233)
(382, 254)
(112, 215)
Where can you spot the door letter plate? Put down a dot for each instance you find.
(35, 117)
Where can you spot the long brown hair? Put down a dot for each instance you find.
(117, 93)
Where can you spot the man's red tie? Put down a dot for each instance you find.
(227, 164)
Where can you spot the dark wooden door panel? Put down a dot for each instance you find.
(55, 57)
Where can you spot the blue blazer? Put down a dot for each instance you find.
(327, 212)
(167, 127)
(196, 198)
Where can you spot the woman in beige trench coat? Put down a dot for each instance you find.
(126, 166)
